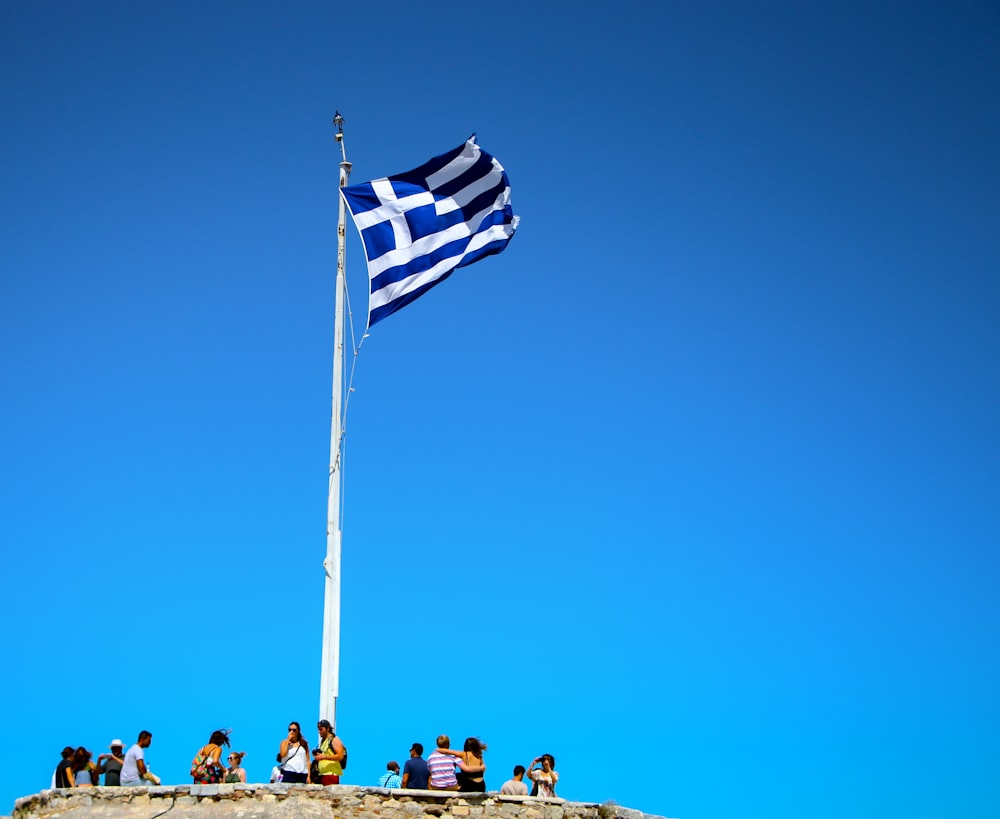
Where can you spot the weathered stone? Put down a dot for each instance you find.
(283, 801)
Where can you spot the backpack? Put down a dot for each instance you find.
(204, 769)
(343, 762)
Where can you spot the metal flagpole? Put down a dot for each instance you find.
(330, 673)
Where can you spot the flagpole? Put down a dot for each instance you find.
(330, 671)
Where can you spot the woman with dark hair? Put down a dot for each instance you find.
(293, 756)
(84, 771)
(545, 778)
(206, 767)
(235, 773)
(470, 764)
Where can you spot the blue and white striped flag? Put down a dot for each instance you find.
(417, 227)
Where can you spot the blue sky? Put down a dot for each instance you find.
(701, 473)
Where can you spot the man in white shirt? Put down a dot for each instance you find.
(134, 768)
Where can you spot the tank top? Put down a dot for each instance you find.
(297, 762)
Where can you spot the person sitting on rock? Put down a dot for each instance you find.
(391, 777)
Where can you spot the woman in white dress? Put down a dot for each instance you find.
(545, 777)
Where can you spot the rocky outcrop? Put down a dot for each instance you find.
(301, 802)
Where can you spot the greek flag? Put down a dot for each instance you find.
(417, 227)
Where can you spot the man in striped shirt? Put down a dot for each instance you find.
(442, 768)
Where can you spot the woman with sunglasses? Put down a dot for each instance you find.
(293, 756)
(235, 772)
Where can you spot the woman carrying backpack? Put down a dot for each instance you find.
(207, 767)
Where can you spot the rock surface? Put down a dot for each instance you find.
(301, 802)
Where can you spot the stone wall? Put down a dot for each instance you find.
(301, 802)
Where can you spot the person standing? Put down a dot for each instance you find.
(293, 756)
(111, 764)
(515, 786)
(329, 755)
(134, 769)
(64, 770)
(84, 771)
(545, 778)
(415, 773)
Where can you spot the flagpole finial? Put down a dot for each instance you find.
(338, 121)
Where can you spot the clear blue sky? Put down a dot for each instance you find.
(703, 470)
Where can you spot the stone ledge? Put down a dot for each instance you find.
(283, 801)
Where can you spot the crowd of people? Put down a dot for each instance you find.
(77, 768)
(444, 769)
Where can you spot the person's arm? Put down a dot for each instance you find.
(243, 775)
(69, 777)
(337, 747)
(140, 766)
(406, 777)
(451, 752)
(282, 751)
(470, 768)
